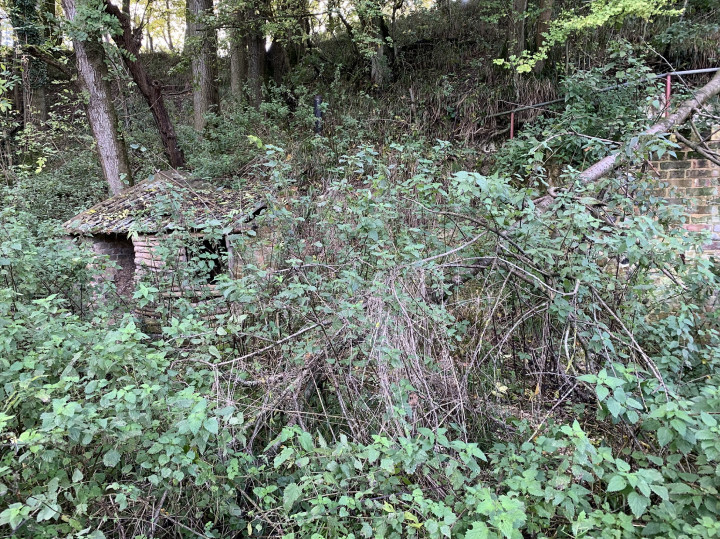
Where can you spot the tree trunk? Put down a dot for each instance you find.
(543, 25)
(279, 63)
(611, 162)
(93, 73)
(168, 26)
(518, 27)
(238, 62)
(25, 18)
(130, 41)
(381, 68)
(203, 47)
(256, 66)
(34, 105)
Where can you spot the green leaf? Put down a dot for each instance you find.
(211, 425)
(285, 454)
(290, 495)
(306, 441)
(664, 436)
(616, 484)
(479, 530)
(614, 407)
(48, 511)
(602, 392)
(14, 515)
(77, 476)
(660, 491)
(638, 503)
(679, 426)
(708, 419)
(111, 458)
(372, 454)
(194, 422)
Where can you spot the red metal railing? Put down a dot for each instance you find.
(668, 88)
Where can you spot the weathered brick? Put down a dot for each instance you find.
(680, 183)
(701, 219)
(697, 227)
(703, 210)
(699, 163)
(697, 192)
(674, 165)
(703, 182)
(675, 175)
(697, 173)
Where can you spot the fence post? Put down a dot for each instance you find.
(512, 125)
(668, 83)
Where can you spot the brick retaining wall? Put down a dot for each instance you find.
(694, 181)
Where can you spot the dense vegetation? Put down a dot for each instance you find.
(452, 334)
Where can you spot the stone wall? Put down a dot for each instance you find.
(694, 181)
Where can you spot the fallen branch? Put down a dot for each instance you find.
(611, 162)
(710, 156)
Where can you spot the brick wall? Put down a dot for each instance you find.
(120, 251)
(694, 181)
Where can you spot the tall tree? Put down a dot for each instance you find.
(25, 18)
(202, 45)
(255, 39)
(130, 40)
(543, 25)
(517, 38)
(256, 66)
(238, 61)
(93, 73)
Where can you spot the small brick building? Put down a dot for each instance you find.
(129, 227)
(694, 181)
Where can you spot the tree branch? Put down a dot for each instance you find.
(710, 156)
(611, 162)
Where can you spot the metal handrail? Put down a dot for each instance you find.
(667, 76)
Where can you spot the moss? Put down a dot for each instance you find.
(153, 205)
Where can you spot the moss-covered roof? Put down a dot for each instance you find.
(167, 200)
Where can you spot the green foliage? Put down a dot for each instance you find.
(603, 108)
(599, 13)
(372, 374)
(405, 346)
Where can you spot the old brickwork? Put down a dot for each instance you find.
(120, 251)
(694, 181)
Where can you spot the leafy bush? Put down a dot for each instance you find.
(355, 388)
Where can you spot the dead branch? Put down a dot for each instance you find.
(710, 156)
